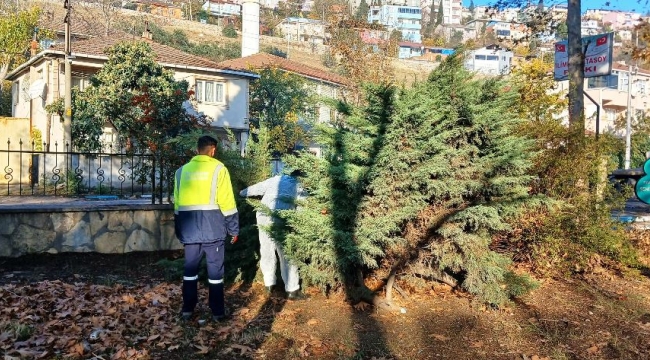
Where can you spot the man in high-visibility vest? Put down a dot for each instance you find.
(205, 213)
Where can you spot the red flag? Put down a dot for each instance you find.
(560, 47)
(601, 41)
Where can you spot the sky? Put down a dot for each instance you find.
(642, 6)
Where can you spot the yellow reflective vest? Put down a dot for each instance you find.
(204, 203)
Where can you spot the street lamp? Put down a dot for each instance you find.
(628, 127)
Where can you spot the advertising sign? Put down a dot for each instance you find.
(598, 56)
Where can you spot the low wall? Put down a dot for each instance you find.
(86, 227)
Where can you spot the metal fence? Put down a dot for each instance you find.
(26, 170)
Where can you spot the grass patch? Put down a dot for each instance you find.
(19, 331)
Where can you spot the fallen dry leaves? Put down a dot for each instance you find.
(80, 320)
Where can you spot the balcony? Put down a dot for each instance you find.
(409, 26)
(409, 16)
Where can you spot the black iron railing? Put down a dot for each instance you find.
(27, 170)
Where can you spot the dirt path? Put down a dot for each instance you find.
(600, 316)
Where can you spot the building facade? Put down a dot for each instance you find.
(611, 93)
(305, 30)
(406, 19)
(222, 9)
(323, 83)
(489, 60)
(220, 93)
(452, 11)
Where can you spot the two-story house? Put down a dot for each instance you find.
(611, 92)
(221, 93)
(322, 82)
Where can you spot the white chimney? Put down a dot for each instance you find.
(250, 42)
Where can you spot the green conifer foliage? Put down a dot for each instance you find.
(418, 179)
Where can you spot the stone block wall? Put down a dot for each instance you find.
(110, 230)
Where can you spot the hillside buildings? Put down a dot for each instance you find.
(489, 60)
(406, 19)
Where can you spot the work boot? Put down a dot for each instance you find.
(186, 315)
(295, 295)
(222, 318)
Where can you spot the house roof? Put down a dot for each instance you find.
(264, 60)
(410, 44)
(165, 55)
(156, 3)
(621, 67)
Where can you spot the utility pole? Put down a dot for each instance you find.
(628, 124)
(576, 66)
(67, 116)
(288, 38)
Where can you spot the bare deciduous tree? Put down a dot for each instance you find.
(99, 16)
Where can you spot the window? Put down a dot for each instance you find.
(479, 57)
(492, 58)
(79, 82)
(209, 91)
(609, 81)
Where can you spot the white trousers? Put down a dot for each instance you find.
(268, 261)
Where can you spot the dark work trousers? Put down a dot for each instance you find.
(214, 254)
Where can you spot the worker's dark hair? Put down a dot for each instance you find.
(205, 142)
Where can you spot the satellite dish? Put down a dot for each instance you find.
(37, 89)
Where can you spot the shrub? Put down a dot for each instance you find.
(229, 31)
(275, 51)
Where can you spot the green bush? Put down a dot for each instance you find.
(571, 171)
(275, 51)
(229, 31)
(5, 99)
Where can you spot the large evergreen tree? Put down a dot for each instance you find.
(440, 19)
(362, 10)
(416, 180)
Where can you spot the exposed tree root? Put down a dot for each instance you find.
(363, 293)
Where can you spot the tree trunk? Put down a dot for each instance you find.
(576, 66)
(4, 69)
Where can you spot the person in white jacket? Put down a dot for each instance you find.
(278, 193)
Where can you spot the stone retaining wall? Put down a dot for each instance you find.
(108, 230)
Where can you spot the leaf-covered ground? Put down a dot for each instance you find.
(92, 306)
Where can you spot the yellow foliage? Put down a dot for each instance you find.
(642, 53)
(362, 62)
(521, 50)
(540, 99)
(434, 41)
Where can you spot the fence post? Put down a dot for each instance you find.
(7, 169)
(20, 158)
(153, 179)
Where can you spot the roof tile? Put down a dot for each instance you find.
(264, 60)
(164, 54)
